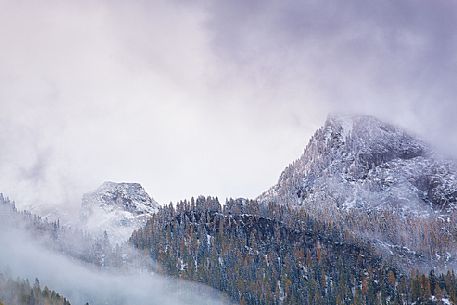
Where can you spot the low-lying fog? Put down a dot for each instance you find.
(20, 256)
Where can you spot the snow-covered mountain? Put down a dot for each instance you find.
(117, 208)
(379, 182)
(360, 162)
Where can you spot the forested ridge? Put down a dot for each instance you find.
(272, 254)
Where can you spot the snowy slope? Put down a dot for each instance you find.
(117, 208)
(360, 162)
(380, 183)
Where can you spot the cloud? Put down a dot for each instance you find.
(395, 59)
(26, 258)
(202, 97)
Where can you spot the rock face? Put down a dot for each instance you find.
(360, 162)
(117, 208)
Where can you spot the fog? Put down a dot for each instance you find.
(23, 257)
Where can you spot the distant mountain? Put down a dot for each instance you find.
(117, 208)
(358, 167)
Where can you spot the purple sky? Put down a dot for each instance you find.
(207, 97)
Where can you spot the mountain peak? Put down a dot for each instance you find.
(362, 162)
(370, 125)
(130, 196)
(357, 170)
(118, 208)
(370, 139)
(366, 128)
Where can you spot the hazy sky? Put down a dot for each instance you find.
(207, 97)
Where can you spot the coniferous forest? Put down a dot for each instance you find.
(272, 255)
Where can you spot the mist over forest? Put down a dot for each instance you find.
(26, 255)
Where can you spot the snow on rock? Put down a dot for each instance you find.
(360, 162)
(359, 165)
(117, 208)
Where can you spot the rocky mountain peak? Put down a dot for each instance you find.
(129, 196)
(368, 137)
(118, 208)
(363, 162)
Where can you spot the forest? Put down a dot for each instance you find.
(277, 255)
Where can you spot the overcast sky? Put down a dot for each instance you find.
(207, 97)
